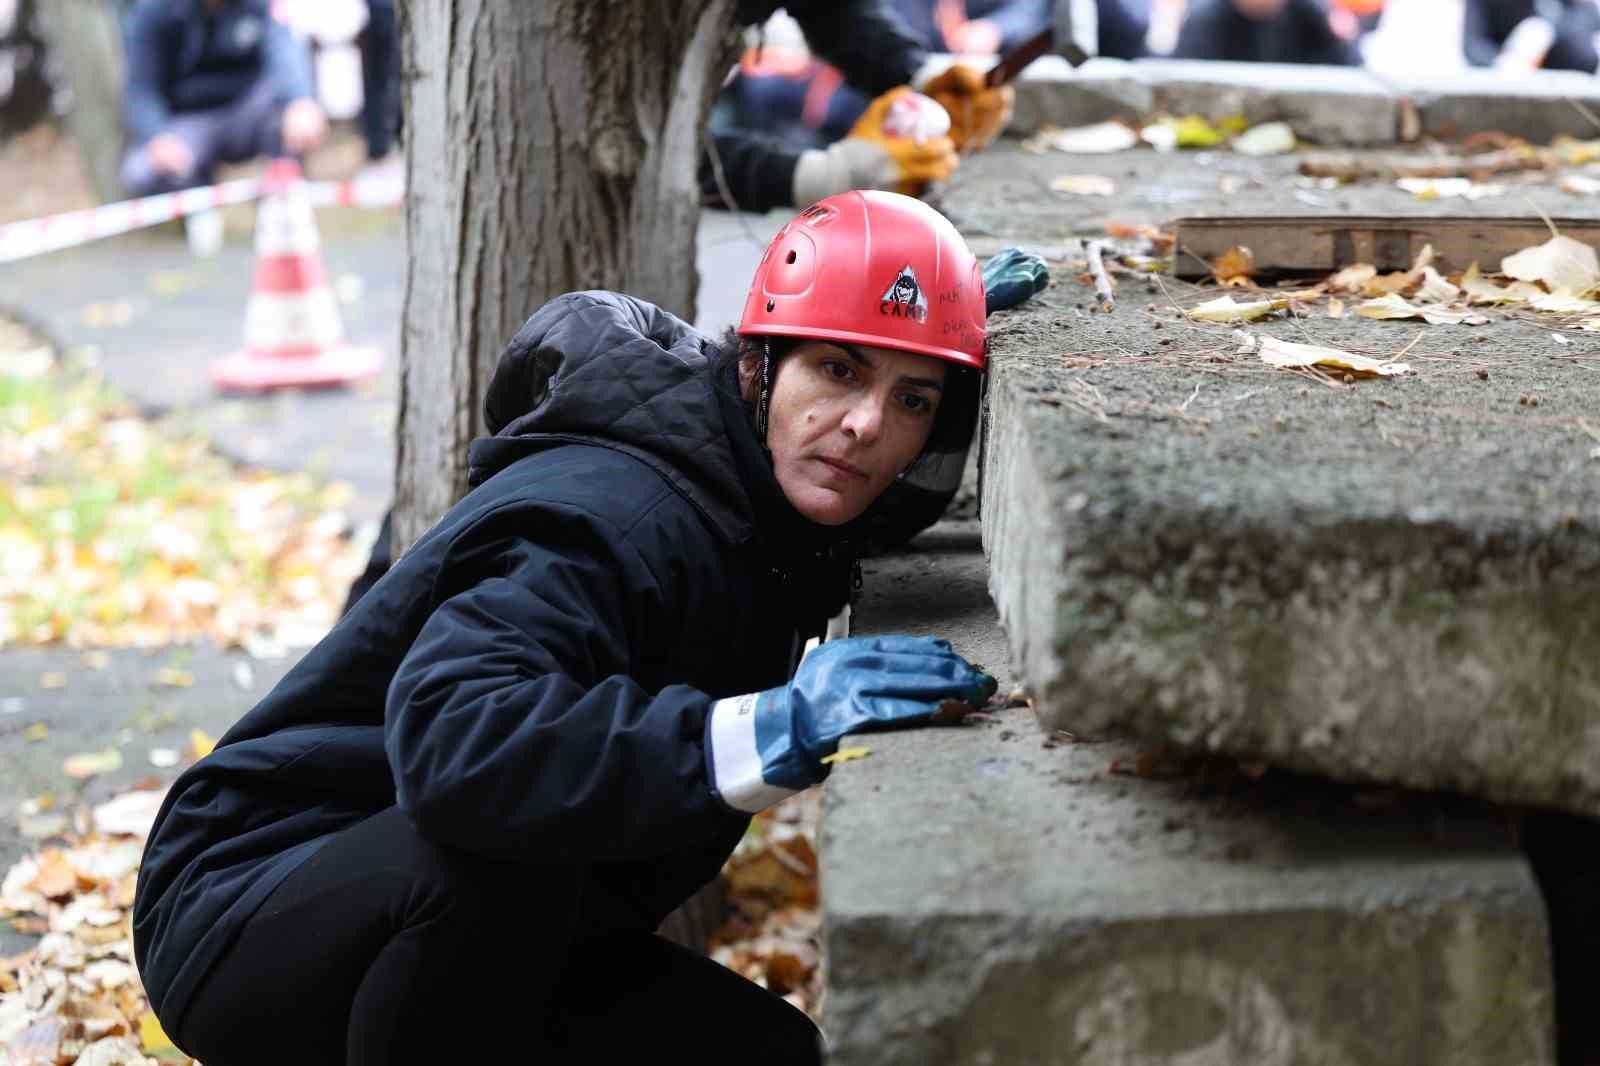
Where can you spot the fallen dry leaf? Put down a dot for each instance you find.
(201, 743)
(1479, 289)
(1435, 289)
(1290, 354)
(1565, 303)
(1269, 138)
(1335, 308)
(1084, 185)
(92, 763)
(1236, 266)
(1394, 306)
(1353, 278)
(1561, 263)
(1097, 139)
(846, 755)
(1224, 309)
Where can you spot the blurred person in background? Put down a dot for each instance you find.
(1523, 35)
(208, 82)
(380, 80)
(1266, 31)
(987, 27)
(753, 168)
(1416, 39)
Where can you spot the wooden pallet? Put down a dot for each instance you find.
(1321, 244)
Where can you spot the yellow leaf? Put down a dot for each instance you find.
(1224, 309)
(152, 1037)
(35, 732)
(52, 679)
(1236, 262)
(201, 743)
(171, 677)
(847, 755)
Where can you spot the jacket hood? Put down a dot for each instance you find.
(604, 368)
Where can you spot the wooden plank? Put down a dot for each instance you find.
(1322, 244)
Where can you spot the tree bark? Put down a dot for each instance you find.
(551, 147)
(86, 39)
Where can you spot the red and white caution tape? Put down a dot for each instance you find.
(22, 240)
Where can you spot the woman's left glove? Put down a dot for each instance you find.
(978, 112)
(766, 746)
(1010, 277)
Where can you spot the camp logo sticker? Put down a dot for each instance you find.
(904, 297)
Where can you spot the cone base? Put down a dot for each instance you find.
(253, 372)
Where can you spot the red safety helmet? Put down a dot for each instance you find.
(874, 268)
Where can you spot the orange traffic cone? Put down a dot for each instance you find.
(292, 334)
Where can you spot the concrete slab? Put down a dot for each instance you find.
(994, 897)
(1053, 93)
(1395, 580)
(1538, 108)
(1327, 105)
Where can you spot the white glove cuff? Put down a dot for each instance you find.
(844, 165)
(735, 761)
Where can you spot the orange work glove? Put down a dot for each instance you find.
(977, 112)
(899, 143)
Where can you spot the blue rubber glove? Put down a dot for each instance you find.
(1011, 276)
(768, 745)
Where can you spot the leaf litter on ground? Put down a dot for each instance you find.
(121, 531)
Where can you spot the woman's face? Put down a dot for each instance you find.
(844, 421)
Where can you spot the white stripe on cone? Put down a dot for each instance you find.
(276, 322)
(285, 226)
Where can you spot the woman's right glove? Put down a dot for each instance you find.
(766, 746)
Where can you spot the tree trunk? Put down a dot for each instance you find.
(550, 146)
(86, 38)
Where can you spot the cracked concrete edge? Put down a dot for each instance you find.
(1343, 106)
(1376, 650)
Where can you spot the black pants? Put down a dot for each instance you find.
(387, 948)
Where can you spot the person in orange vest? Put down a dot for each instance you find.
(450, 832)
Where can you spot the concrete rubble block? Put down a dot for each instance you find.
(989, 901)
(1326, 105)
(1538, 107)
(1051, 92)
(1395, 580)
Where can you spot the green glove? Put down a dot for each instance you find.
(1011, 276)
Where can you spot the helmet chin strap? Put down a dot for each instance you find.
(766, 391)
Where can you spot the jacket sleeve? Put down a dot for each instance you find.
(757, 169)
(288, 62)
(512, 726)
(144, 109)
(863, 38)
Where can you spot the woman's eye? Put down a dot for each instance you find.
(915, 403)
(836, 370)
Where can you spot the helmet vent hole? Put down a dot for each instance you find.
(771, 304)
(790, 258)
